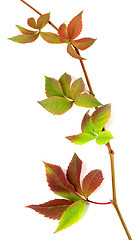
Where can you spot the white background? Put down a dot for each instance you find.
(29, 134)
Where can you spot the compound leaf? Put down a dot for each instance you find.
(43, 20)
(77, 87)
(86, 125)
(71, 51)
(50, 37)
(32, 23)
(91, 182)
(81, 138)
(104, 137)
(73, 173)
(65, 81)
(100, 117)
(75, 26)
(83, 43)
(26, 31)
(53, 87)
(58, 182)
(56, 105)
(25, 38)
(86, 100)
(73, 213)
(52, 209)
(63, 35)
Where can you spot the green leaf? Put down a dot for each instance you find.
(53, 87)
(63, 35)
(83, 43)
(24, 38)
(32, 23)
(58, 182)
(43, 20)
(75, 26)
(65, 81)
(73, 213)
(91, 182)
(50, 37)
(56, 105)
(100, 117)
(81, 138)
(71, 51)
(104, 137)
(77, 87)
(86, 125)
(25, 31)
(86, 100)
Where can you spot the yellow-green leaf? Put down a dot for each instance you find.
(65, 81)
(50, 37)
(53, 87)
(56, 105)
(73, 213)
(81, 138)
(86, 100)
(104, 137)
(77, 87)
(24, 38)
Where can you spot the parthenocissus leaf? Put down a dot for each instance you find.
(50, 37)
(25, 38)
(32, 23)
(43, 20)
(81, 138)
(104, 137)
(72, 52)
(100, 117)
(86, 125)
(91, 182)
(73, 173)
(83, 43)
(58, 182)
(77, 87)
(86, 100)
(65, 81)
(75, 26)
(73, 213)
(26, 31)
(56, 105)
(53, 87)
(52, 209)
(63, 35)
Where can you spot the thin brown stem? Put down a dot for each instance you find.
(111, 152)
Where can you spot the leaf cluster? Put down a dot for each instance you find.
(75, 195)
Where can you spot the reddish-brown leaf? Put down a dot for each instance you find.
(52, 209)
(26, 31)
(75, 26)
(73, 53)
(62, 31)
(73, 173)
(83, 43)
(32, 23)
(50, 37)
(58, 182)
(91, 182)
(43, 20)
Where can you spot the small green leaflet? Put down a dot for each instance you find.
(92, 127)
(53, 87)
(86, 100)
(73, 213)
(68, 186)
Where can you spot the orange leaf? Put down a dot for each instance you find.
(62, 31)
(83, 43)
(43, 20)
(32, 23)
(72, 52)
(75, 26)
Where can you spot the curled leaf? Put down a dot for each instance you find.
(52, 209)
(73, 213)
(26, 31)
(91, 182)
(50, 37)
(56, 105)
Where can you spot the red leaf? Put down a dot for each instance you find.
(58, 183)
(73, 173)
(83, 43)
(52, 209)
(75, 26)
(62, 31)
(91, 182)
(32, 23)
(50, 37)
(73, 53)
